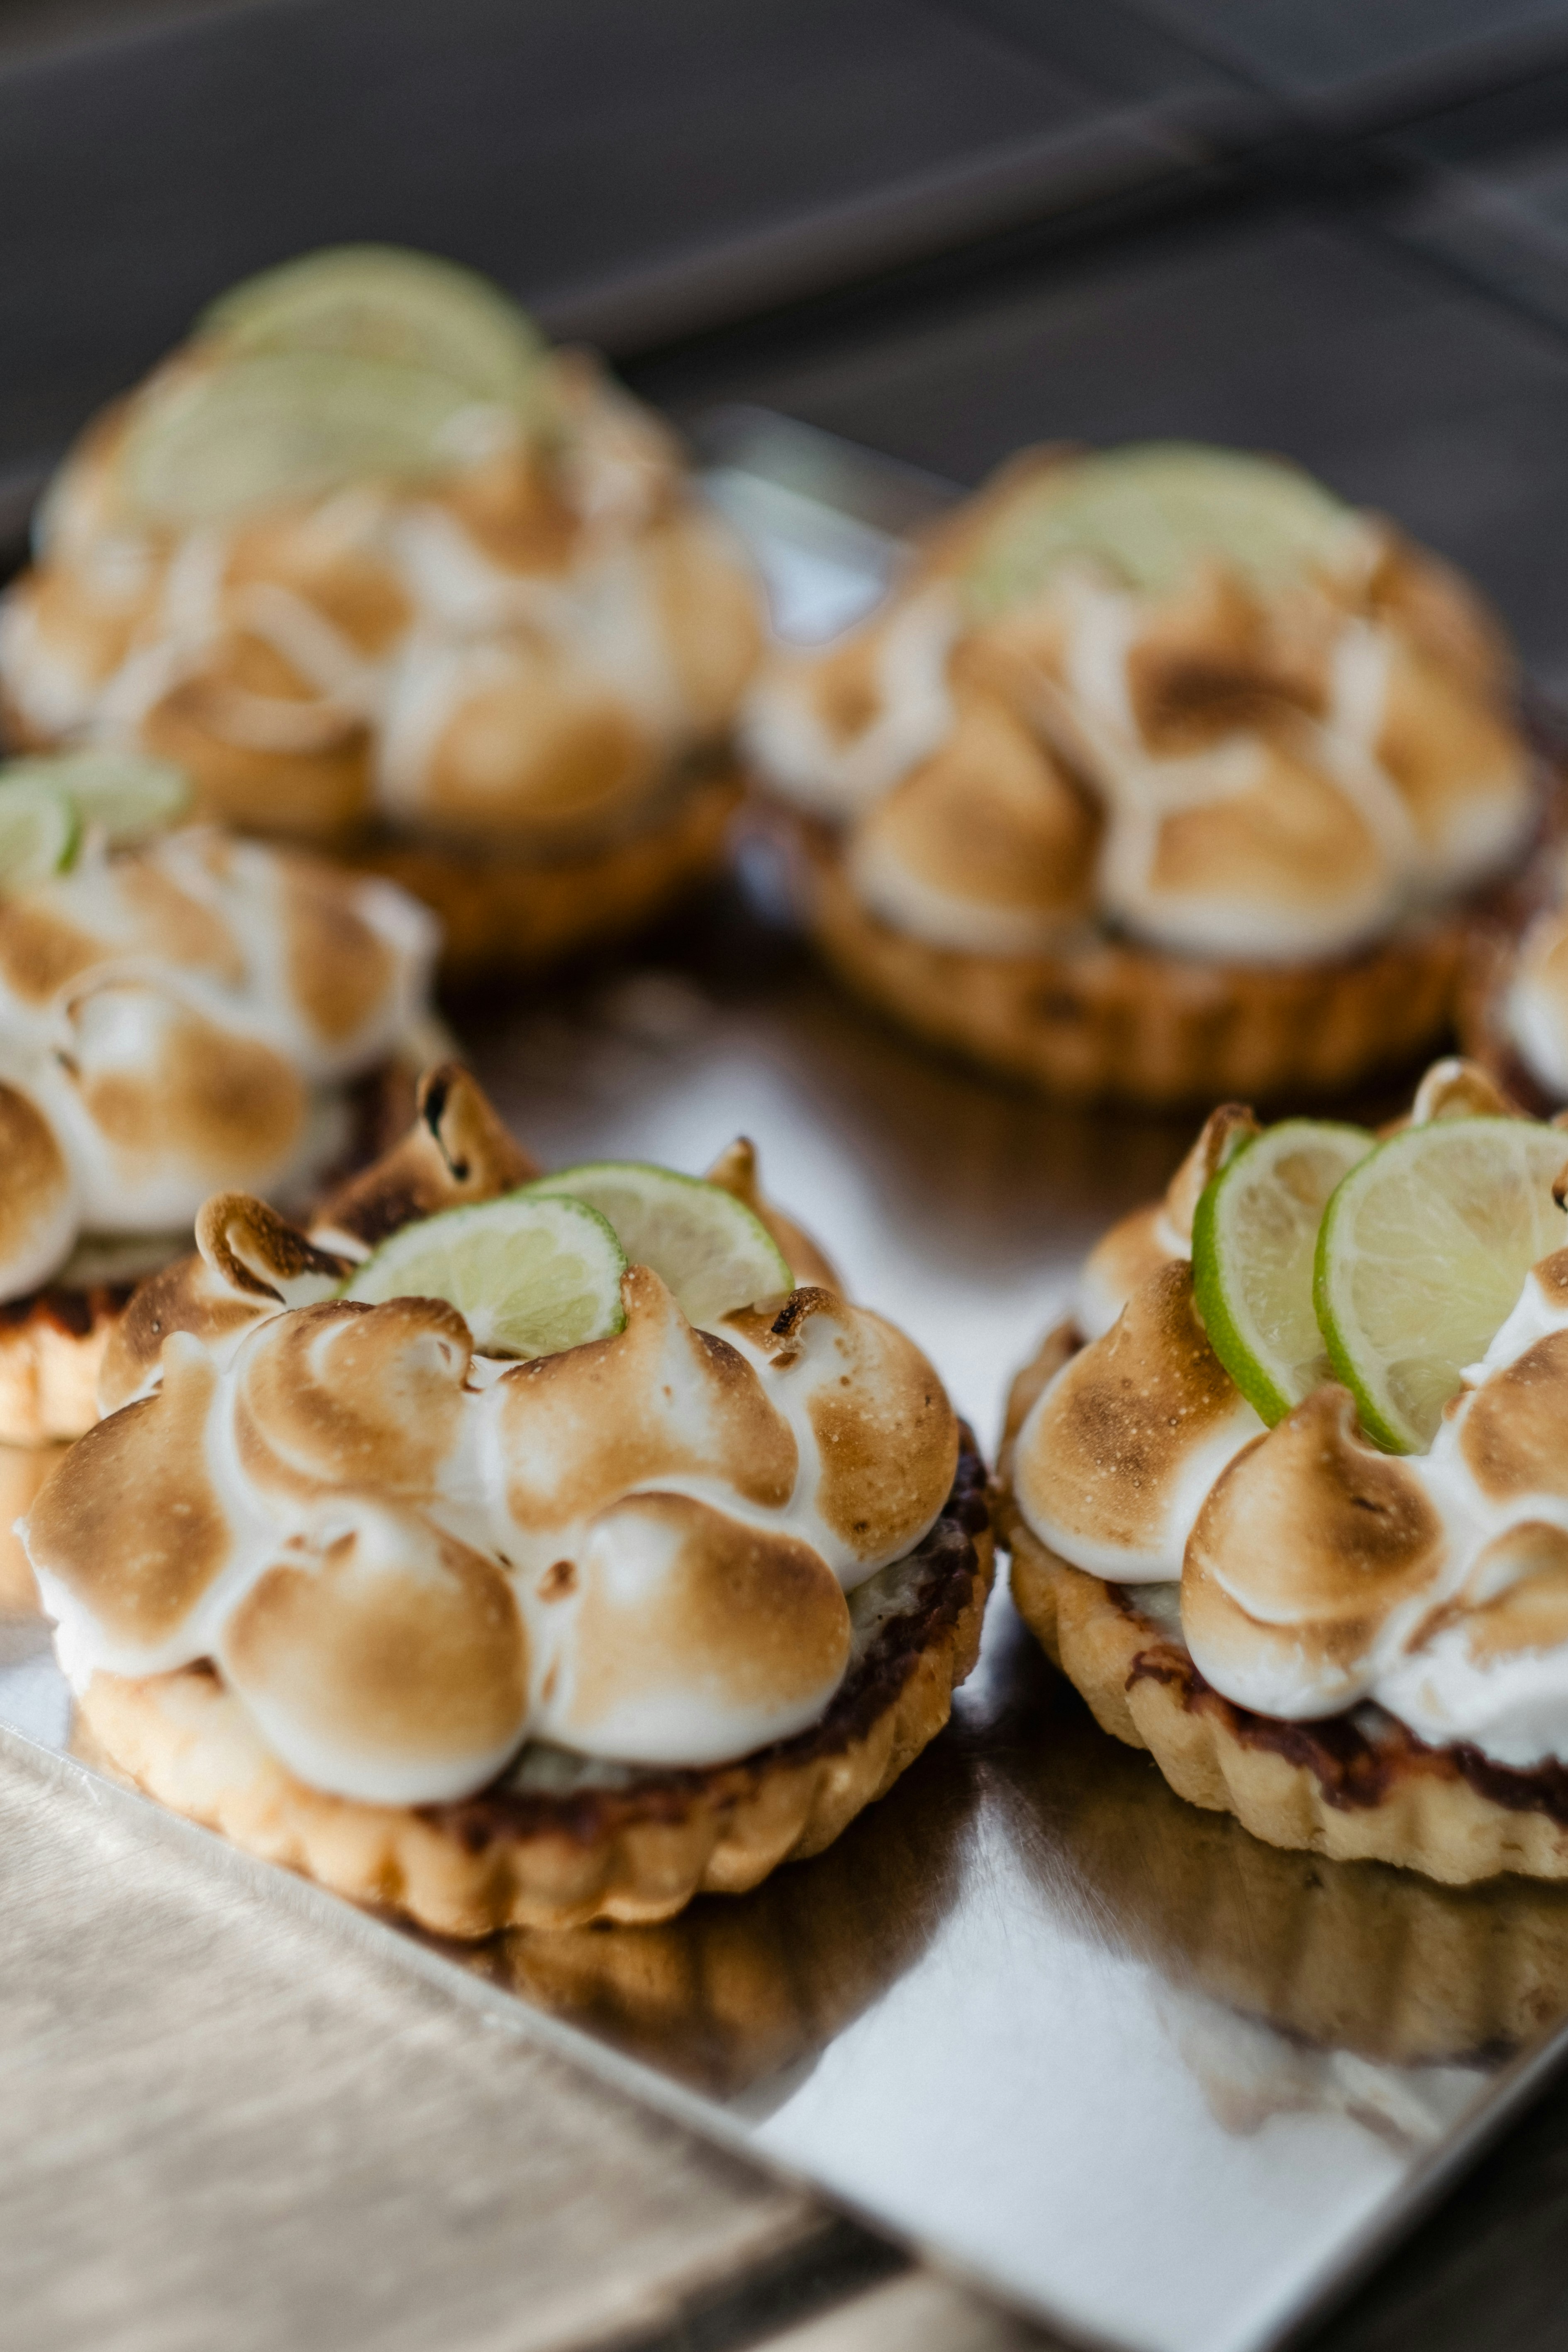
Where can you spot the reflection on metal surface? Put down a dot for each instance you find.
(1106, 2052)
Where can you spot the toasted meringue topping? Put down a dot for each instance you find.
(1317, 1571)
(184, 1016)
(1304, 1552)
(1151, 1237)
(686, 1617)
(1114, 1461)
(380, 1657)
(406, 1558)
(525, 645)
(1283, 759)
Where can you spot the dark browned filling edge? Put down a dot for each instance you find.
(950, 1566)
(75, 1312)
(1353, 1770)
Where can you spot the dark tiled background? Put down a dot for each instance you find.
(1337, 228)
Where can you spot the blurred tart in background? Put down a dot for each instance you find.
(179, 1009)
(1162, 772)
(384, 573)
(1287, 1495)
(1513, 1003)
(514, 1551)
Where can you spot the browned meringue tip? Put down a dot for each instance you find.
(736, 1171)
(1514, 1599)
(1456, 1088)
(1221, 1137)
(131, 1523)
(457, 1149)
(341, 1394)
(1512, 1440)
(1312, 1527)
(255, 1251)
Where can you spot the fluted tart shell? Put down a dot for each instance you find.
(526, 1857)
(1325, 1787)
(1110, 1021)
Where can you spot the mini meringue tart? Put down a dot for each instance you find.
(507, 1643)
(388, 574)
(1360, 1653)
(1160, 772)
(178, 1010)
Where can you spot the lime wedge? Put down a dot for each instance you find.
(380, 302)
(1255, 1239)
(700, 1240)
(208, 442)
(1422, 1254)
(529, 1277)
(38, 830)
(1151, 511)
(125, 794)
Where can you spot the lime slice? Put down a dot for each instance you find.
(1151, 511)
(380, 302)
(706, 1245)
(1255, 1239)
(208, 442)
(1423, 1253)
(529, 1277)
(38, 832)
(125, 794)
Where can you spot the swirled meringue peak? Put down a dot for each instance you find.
(1317, 1571)
(365, 548)
(1180, 693)
(406, 1559)
(186, 1015)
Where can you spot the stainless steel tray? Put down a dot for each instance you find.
(1104, 2054)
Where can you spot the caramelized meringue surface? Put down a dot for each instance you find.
(1317, 1573)
(521, 647)
(1256, 761)
(407, 1558)
(182, 1016)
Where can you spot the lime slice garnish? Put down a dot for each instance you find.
(39, 830)
(1255, 1240)
(529, 1277)
(126, 795)
(713, 1254)
(207, 443)
(380, 302)
(1421, 1259)
(1151, 511)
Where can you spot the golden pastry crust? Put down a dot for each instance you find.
(1113, 1021)
(529, 1859)
(1325, 1787)
(502, 914)
(1426, 1816)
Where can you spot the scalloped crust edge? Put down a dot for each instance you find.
(185, 1740)
(1432, 1822)
(1112, 1022)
